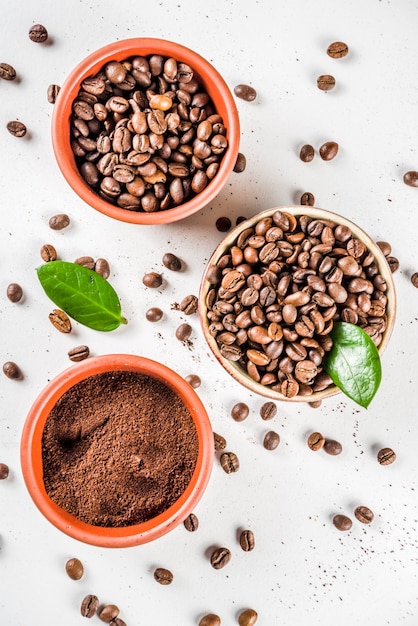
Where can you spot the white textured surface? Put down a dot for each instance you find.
(302, 571)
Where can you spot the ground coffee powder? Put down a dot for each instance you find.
(118, 448)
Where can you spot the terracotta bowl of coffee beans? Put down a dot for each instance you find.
(117, 450)
(273, 290)
(145, 131)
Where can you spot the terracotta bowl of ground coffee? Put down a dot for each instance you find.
(145, 131)
(117, 450)
(273, 289)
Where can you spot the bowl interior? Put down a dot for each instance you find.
(233, 368)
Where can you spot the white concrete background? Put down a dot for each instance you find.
(303, 571)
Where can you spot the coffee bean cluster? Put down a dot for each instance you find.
(145, 134)
(277, 291)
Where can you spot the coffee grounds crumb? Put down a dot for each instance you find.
(118, 449)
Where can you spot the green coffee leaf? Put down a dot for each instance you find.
(83, 294)
(353, 363)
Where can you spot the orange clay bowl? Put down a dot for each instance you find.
(31, 453)
(209, 79)
(235, 369)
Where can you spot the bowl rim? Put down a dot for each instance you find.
(31, 453)
(233, 368)
(207, 75)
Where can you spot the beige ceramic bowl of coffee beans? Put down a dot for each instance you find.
(145, 131)
(273, 289)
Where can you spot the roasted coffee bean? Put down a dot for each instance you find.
(74, 569)
(172, 262)
(315, 404)
(16, 128)
(385, 247)
(411, 179)
(48, 253)
(184, 332)
(60, 320)
(189, 305)
(191, 523)
(102, 267)
(154, 314)
(271, 440)
(414, 279)
(117, 622)
(220, 557)
(108, 612)
(59, 221)
(223, 224)
(7, 72)
(79, 353)
(247, 540)
(211, 619)
(328, 150)
(14, 292)
(386, 456)
(152, 280)
(240, 411)
(364, 514)
(89, 605)
(245, 92)
(11, 370)
(85, 261)
(193, 380)
(342, 522)
(332, 447)
(248, 617)
(219, 442)
(229, 462)
(268, 410)
(393, 263)
(307, 199)
(4, 471)
(337, 50)
(163, 576)
(325, 82)
(316, 441)
(240, 163)
(307, 153)
(52, 93)
(38, 33)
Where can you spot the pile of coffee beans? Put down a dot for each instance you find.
(277, 291)
(145, 134)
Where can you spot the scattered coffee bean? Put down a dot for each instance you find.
(163, 576)
(342, 522)
(271, 440)
(411, 179)
(223, 224)
(172, 262)
(60, 320)
(316, 441)
(328, 150)
(325, 82)
(364, 514)
(153, 280)
(386, 456)
(247, 617)
(240, 411)
(14, 292)
(52, 93)
(307, 199)
(211, 619)
(247, 540)
(240, 219)
(240, 163)
(16, 128)
(245, 92)
(79, 353)
(393, 263)
(332, 447)
(191, 523)
(4, 471)
(184, 332)
(307, 153)
(102, 267)
(89, 605)
(220, 557)
(117, 622)
(385, 247)
(86, 261)
(74, 569)
(193, 380)
(189, 305)
(414, 279)
(108, 612)
(11, 370)
(7, 72)
(48, 253)
(229, 462)
(59, 221)
(219, 441)
(268, 410)
(38, 33)
(315, 404)
(337, 50)
(154, 314)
